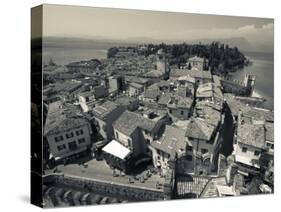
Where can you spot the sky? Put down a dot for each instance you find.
(119, 24)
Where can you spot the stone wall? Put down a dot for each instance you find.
(127, 192)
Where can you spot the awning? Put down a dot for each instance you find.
(116, 149)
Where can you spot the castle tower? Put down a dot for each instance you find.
(249, 83)
(161, 61)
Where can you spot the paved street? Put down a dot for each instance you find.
(100, 171)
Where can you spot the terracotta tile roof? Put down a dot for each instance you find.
(172, 141)
(152, 93)
(136, 85)
(101, 111)
(61, 118)
(128, 122)
(251, 134)
(194, 73)
(199, 129)
(180, 102)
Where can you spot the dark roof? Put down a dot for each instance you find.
(172, 141)
(128, 122)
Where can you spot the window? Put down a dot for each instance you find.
(117, 136)
(72, 145)
(59, 138)
(170, 110)
(257, 153)
(129, 142)
(270, 145)
(189, 148)
(69, 135)
(79, 132)
(61, 147)
(244, 149)
(182, 112)
(203, 151)
(81, 140)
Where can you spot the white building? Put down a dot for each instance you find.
(196, 62)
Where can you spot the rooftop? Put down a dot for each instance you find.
(187, 78)
(154, 74)
(67, 86)
(210, 114)
(61, 118)
(165, 98)
(198, 128)
(172, 141)
(152, 93)
(196, 59)
(180, 102)
(195, 73)
(136, 85)
(87, 93)
(125, 100)
(251, 134)
(205, 90)
(129, 121)
(135, 79)
(260, 114)
(269, 131)
(101, 111)
(116, 149)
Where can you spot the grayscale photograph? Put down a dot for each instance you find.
(146, 105)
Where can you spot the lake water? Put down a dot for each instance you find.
(66, 55)
(263, 68)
